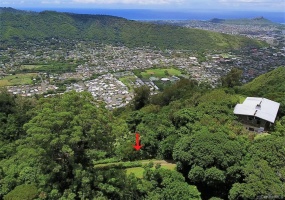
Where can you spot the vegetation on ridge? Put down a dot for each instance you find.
(70, 147)
(17, 26)
(269, 85)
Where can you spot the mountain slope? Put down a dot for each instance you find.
(17, 26)
(270, 85)
(272, 81)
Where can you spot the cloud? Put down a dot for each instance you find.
(140, 2)
(51, 2)
(255, 4)
(275, 2)
(12, 2)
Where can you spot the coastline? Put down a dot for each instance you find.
(148, 14)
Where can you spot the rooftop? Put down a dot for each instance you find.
(259, 107)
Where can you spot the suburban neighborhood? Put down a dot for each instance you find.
(111, 73)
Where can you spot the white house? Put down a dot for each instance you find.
(257, 114)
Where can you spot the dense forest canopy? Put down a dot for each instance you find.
(50, 147)
(21, 26)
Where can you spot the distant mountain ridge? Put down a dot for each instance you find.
(217, 20)
(254, 21)
(19, 25)
(11, 10)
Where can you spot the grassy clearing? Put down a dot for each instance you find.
(169, 166)
(225, 55)
(138, 171)
(31, 67)
(160, 73)
(18, 79)
(135, 167)
(128, 80)
(54, 67)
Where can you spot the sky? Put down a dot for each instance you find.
(244, 5)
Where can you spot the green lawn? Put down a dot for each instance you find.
(30, 67)
(225, 55)
(128, 80)
(55, 67)
(18, 79)
(169, 166)
(160, 73)
(138, 171)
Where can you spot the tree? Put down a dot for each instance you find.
(184, 116)
(161, 183)
(14, 113)
(115, 184)
(7, 102)
(232, 78)
(279, 128)
(66, 134)
(182, 88)
(210, 160)
(270, 149)
(166, 73)
(20, 192)
(263, 171)
(260, 181)
(141, 97)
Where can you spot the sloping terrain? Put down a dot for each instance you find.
(270, 85)
(17, 26)
(267, 83)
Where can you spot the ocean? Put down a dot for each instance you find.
(143, 14)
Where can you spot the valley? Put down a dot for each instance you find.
(101, 107)
(58, 67)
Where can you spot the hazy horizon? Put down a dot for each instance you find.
(166, 5)
(163, 14)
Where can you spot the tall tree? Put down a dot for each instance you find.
(233, 78)
(211, 161)
(161, 183)
(141, 97)
(14, 113)
(261, 181)
(66, 134)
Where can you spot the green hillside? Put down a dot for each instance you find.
(271, 81)
(17, 26)
(70, 147)
(270, 85)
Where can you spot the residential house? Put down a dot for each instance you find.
(257, 114)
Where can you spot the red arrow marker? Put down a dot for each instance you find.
(137, 146)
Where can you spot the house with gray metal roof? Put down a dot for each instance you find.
(257, 114)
